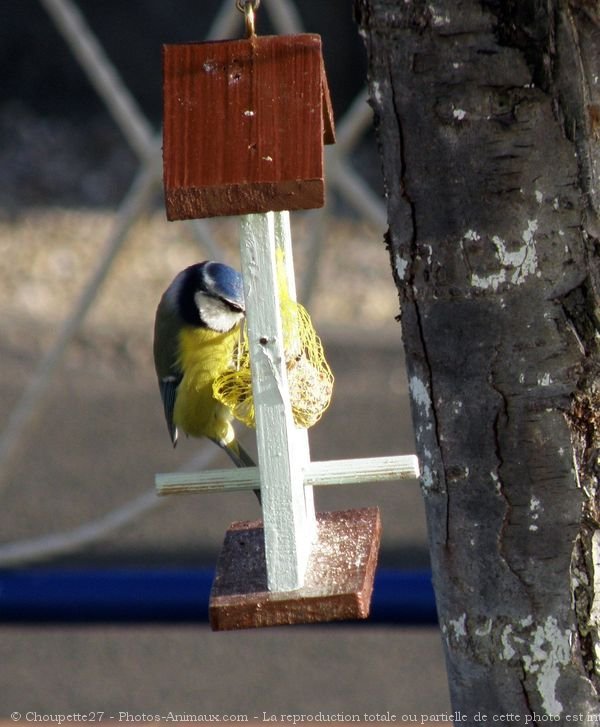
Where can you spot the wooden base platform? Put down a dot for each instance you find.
(338, 583)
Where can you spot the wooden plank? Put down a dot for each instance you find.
(330, 472)
(244, 126)
(288, 527)
(328, 118)
(368, 469)
(338, 582)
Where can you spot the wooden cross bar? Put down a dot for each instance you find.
(319, 474)
(293, 567)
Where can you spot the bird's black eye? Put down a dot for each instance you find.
(234, 306)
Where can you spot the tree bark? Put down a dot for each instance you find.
(488, 118)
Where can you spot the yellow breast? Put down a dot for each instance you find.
(204, 354)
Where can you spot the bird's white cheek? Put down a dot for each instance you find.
(224, 321)
(215, 314)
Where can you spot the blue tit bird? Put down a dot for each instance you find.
(196, 330)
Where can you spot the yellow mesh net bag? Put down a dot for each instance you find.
(309, 377)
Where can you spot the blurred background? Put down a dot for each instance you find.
(85, 253)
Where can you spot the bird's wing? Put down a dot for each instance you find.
(166, 359)
(168, 392)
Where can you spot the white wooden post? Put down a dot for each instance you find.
(283, 241)
(288, 507)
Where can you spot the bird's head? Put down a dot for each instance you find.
(209, 295)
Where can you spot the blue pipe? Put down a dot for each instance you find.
(171, 595)
(403, 598)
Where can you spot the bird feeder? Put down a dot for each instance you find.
(244, 126)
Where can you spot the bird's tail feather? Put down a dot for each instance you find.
(239, 457)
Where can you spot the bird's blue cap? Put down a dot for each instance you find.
(224, 282)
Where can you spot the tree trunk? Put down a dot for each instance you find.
(488, 118)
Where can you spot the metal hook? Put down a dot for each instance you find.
(249, 8)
